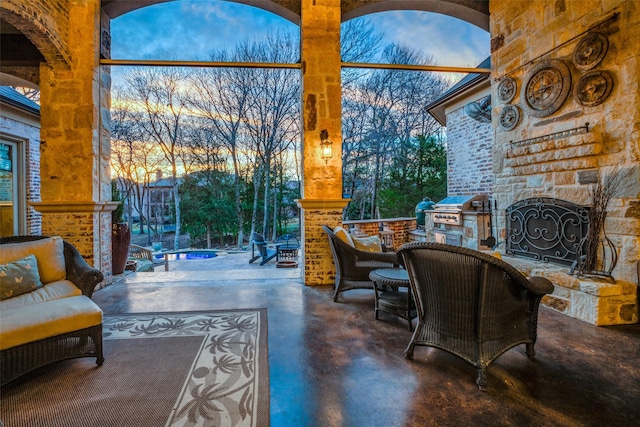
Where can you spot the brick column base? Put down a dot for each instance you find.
(318, 268)
(87, 226)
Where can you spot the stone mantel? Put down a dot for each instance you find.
(74, 207)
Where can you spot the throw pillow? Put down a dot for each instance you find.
(343, 235)
(368, 244)
(19, 277)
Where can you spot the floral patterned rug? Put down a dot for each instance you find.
(222, 388)
(173, 369)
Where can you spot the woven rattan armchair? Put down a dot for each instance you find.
(353, 266)
(471, 304)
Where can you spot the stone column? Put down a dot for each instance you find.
(75, 188)
(321, 201)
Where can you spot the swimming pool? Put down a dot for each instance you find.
(186, 255)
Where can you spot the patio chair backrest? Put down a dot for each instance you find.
(257, 239)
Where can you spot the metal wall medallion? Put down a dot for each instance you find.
(509, 117)
(590, 51)
(479, 110)
(547, 86)
(507, 89)
(593, 88)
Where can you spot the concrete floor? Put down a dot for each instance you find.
(332, 364)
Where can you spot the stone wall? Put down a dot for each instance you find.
(74, 149)
(469, 160)
(548, 153)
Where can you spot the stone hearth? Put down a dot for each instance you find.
(592, 299)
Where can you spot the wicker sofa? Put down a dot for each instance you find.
(46, 311)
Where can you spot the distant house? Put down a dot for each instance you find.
(159, 200)
(19, 163)
(465, 110)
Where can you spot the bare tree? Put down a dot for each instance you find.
(381, 111)
(160, 92)
(272, 110)
(133, 161)
(220, 96)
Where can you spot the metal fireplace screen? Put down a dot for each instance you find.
(546, 229)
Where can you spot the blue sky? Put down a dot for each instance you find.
(190, 29)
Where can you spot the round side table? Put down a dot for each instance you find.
(389, 298)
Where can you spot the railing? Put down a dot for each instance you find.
(546, 229)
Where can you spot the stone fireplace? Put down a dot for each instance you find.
(546, 229)
(564, 117)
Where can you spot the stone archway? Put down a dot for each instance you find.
(473, 12)
(320, 20)
(44, 32)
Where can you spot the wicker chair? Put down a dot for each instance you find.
(353, 266)
(471, 304)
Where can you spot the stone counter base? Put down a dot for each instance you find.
(592, 299)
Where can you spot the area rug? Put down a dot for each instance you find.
(161, 369)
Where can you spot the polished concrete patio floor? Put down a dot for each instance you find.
(332, 364)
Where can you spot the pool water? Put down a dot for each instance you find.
(185, 255)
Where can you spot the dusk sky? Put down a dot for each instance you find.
(191, 29)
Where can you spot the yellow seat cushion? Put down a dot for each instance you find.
(49, 292)
(495, 254)
(49, 252)
(23, 325)
(343, 235)
(368, 244)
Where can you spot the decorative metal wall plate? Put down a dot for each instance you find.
(547, 87)
(507, 89)
(479, 110)
(590, 51)
(593, 88)
(546, 229)
(509, 117)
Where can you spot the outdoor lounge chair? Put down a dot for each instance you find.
(353, 265)
(261, 249)
(471, 304)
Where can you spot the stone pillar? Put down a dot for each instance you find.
(75, 145)
(321, 201)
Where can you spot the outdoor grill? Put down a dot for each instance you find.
(450, 209)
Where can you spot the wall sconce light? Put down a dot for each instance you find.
(326, 144)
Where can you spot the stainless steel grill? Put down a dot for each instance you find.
(450, 209)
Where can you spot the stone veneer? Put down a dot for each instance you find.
(565, 167)
(75, 146)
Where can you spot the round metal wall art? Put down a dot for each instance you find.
(590, 51)
(547, 87)
(593, 88)
(509, 117)
(507, 89)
